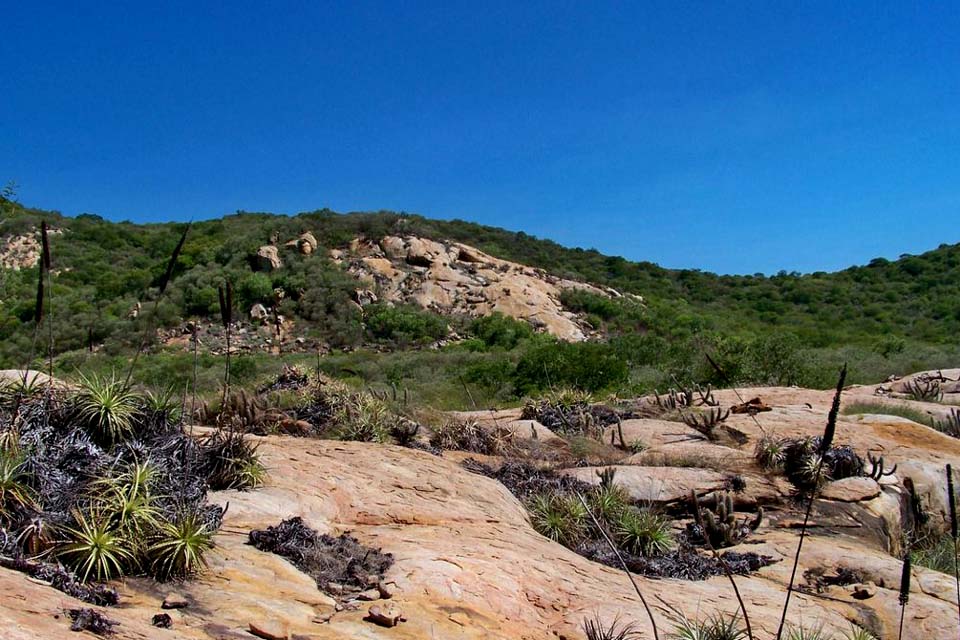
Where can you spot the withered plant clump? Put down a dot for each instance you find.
(571, 412)
(469, 435)
(524, 479)
(63, 580)
(341, 560)
(91, 620)
(684, 562)
(290, 378)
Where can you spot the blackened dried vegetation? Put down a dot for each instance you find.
(340, 560)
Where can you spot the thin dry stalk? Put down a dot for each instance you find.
(148, 325)
(904, 589)
(824, 446)
(623, 563)
(952, 499)
(225, 297)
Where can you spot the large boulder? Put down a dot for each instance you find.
(268, 258)
(307, 243)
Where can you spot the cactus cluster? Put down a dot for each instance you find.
(877, 468)
(706, 422)
(673, 399)
(685, 397)
(924, 389)
(950, 426)
(801, 460)
(719, 526)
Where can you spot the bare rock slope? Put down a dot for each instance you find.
(450, 277)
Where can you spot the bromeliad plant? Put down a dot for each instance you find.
(96, 548)
(16, 493)
(108, 407)
(179, 546)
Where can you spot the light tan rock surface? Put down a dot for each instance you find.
(468, 564)
(268, 258)
(19, 252)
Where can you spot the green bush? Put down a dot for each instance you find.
(403, 326)
(255, 288)
(591, 366)
(498, 330)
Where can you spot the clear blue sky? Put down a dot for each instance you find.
(730, 136)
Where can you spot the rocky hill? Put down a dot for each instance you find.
(455, 278)
(105, 268)
(468, 564)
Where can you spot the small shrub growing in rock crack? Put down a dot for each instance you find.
(230, 461)
(642, 532)
(469, 435)
(328, 560)
(558, 517)
(595, 629)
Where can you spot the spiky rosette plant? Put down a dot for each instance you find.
(16, 493)
(642, 532)
(179, 546)
(107, 406)
(96, 548)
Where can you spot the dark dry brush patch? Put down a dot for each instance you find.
(684, 562)
(469, 435)
(87, 619)
(329, 560)
(650, 556)
(524, 479)
(290, 378)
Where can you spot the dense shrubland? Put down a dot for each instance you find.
(887, 317)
